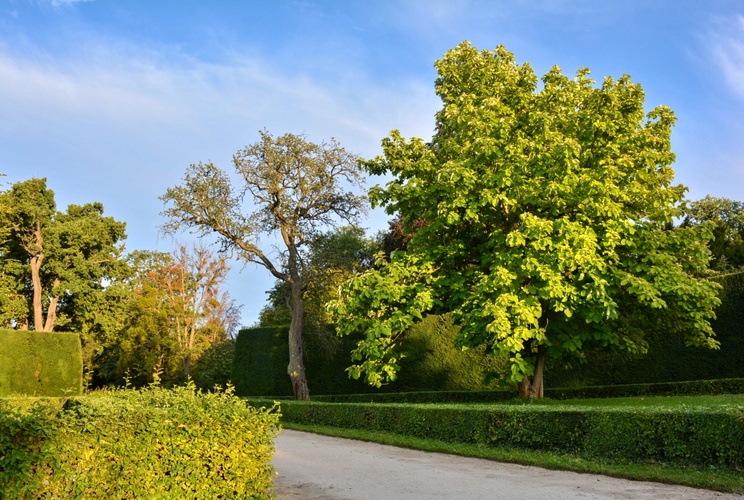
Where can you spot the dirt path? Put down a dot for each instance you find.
(311, 466)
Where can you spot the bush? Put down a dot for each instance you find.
(40, 363)
(696, 436)
(214, 366)
(153, 443)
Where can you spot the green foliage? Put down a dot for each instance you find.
(430, 362)
(259, 363)
(727, 218)
(175, 311)
(153, 443)
(56, 263)
(40, 364)
(547, 214)
(329, 259)
(684, 435)
(214, 366)
(667, 358)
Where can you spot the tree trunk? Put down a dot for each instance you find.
(532, 387)
(51, 315)
(296, 367)
(35, 265)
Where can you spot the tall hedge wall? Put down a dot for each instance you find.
(40, 363)
(668, 359)
(430, 362)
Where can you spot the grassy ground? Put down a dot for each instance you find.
(713, 478)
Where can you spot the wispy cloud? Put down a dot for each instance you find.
(63, 3)
(728, 52)
(127, 88)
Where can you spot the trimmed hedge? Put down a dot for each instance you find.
(696, 436)
(430, 362)
(693, 388)
(40, 364)
(668, 358)
(153, 443)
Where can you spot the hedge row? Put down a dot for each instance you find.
(430, 362)
(153, 443)
(693, 388)
(40, 364)
(668, 358)
(697, 436)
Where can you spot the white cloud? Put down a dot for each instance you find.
(728, 52)
(120, 124)
(63, 3)
(130, 89)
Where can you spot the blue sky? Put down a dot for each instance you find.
(111, 100)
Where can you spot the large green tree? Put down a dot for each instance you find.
(288, 187)
(55, 265)
(727, 220)
(546, 212)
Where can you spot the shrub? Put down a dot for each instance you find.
(214, 366)
(40, 363)
(686, 435)
(153, 443)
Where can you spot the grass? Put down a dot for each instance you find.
(712, 478)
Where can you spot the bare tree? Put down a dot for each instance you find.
(296, 188)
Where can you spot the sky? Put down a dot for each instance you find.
(111, 100)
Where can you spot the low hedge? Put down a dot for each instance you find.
(40, 364)
(693, 388)
(153, 443)
(695, 436)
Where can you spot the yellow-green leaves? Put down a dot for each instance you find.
(547, 215)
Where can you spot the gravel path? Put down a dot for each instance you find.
(312, 466)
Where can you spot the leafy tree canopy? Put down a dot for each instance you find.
(547, 210)
(727, 219)
(55, 264)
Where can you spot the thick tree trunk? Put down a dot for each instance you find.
(296, 367)
(35, 265)
(532, 387)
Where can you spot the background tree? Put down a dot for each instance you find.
(329, 259)
(57, 263)
(190, 283)
(547, 215)
(177, 311)
(296, 188)
(727, 218)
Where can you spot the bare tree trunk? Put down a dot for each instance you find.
(532, 387)
(35, 265)
(51, 315)
(296, 367)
